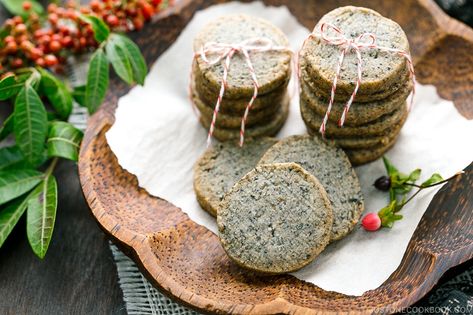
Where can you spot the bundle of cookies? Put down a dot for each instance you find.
(379, 108)
(278, 203)
(227, 82)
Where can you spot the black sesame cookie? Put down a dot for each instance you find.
(269, 129)
(381, 126)
(272, 68)
(332, 168)
(221, 166)
(225, 120)
(363, 156)
(276, 219)
(360, 113)
(356, 143)
(237, 106)
(381, 70)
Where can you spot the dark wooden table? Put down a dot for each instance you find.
(78, 275)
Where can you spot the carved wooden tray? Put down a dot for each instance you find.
(185, 260)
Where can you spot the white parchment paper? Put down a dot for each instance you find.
(157, 137)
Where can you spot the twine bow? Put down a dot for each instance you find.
(346, 44)
(223, 53)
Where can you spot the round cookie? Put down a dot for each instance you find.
(363, 156)
(380, 126)
(269, 129)
(237, 106)
(276, 219)
(343, 96)
(234, 121)
(272, 68)
(381, 69)
(221, 166)
(360, 113)
(332, 168)
(356, 143)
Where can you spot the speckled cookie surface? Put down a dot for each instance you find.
(268, 129)
(363, 156)
(380, 69)
(332, 168)
(272, 68)
(238, 105)
(381, 126)
(360, 113)
(234, 121)
(221, 166)
(276, 219)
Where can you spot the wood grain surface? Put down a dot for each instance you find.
(186, 261)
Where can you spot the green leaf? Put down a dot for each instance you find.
(414, 175)
(120, 61)
(14, 183)
(101, 30)
(435, 178)
(133, 54)
(57, 93)
(30, 125)
(10, 216)
(11, 158)
(79, 95)
(64, 140)
(41, 216)
(390, 168)
(11, 85)
(97, 81)
(7, 127)
(15, 7)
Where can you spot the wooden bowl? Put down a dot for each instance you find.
(185, 260)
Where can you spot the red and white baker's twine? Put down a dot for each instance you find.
(223, 53)
(346, 44)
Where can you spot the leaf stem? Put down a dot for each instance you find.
(51, 167)
(423, 187)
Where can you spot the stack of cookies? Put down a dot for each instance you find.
(379, 109)
(272, 69)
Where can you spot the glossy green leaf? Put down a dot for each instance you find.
(64, 140)
(57, 93)
(15, 7)
(97, 81)
(10, 216)
(79, 95)
(120, 61)
(11, 85)
(11, 158)
(414, 175)
(30, 125)
(101, 30)
(41, 215)
(14, 183)
(435, 178)
(133, 54)
(7, 127)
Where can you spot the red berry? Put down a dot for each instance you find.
(147, 10)
(17, 19)
(36, 53)
(50, 60)
(156, 2)
(55, 46)
(9, 39)
(83, 42)
(95, 5)
(26, 45)
(40, 62)
(20, 28)
(138, 23)
(371, 222)
(66, 41)
(56, 37)
(9, 23)
(53, 18)
(26, 5)
(11, 48)
(17, 63)
(112, 20)
(52, 7)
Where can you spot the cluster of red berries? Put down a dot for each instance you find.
(30, 42)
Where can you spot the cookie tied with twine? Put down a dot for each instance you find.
(356, 49)
(240, 58)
